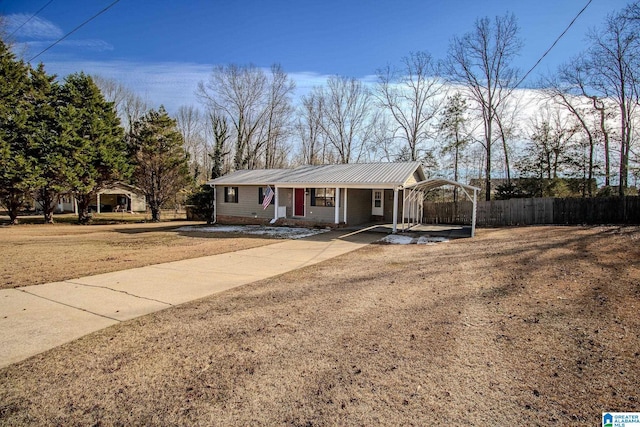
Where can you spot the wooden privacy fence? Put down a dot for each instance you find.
(547, 210)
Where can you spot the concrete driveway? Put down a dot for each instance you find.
(37, 318)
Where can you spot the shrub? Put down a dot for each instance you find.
(201, 204)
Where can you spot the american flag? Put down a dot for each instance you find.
(268, 195)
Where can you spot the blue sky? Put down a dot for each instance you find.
(161, 48)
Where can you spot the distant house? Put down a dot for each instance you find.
(118, 197)
(349, 194)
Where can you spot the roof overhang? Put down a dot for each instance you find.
(355, 175)
(383, 186)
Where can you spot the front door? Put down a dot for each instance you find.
(298, 202)
(377, 203)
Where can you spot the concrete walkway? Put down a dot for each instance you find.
(37, 318)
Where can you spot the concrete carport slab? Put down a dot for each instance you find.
(36, 318)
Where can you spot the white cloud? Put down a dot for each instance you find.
(170, 84)
(94, 45)
(174, 84)
(36, 28)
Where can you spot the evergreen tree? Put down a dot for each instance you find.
(203, 203)
(452, 127)
(18, 168)
(91, 139)
(44, 132)
(161, 167)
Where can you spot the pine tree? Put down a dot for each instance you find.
(44, 132)
(161, 167)
(452, 127)
(18, 169)
(92, 140)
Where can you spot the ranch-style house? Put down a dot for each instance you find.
(330, 195)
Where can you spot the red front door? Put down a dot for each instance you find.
(299, 202)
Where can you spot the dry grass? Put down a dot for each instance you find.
(528, 326)
(36, 253)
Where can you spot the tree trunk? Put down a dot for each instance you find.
(625, 142)
(155, 211)
(506, 152)
(47, 199)
(84, 217)
(455, 173)
(488, 165)
(590, 175)
(48, 215)
(605, 135)
(13, 203)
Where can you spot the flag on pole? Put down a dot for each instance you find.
(268, 195)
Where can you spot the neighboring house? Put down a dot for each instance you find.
(349, 194)
(118, 197)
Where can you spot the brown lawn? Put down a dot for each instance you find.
(37, 253)
(518, 327)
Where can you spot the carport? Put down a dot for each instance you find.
(413, 201)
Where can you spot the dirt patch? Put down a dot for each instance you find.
(35, 254)
(523, 326)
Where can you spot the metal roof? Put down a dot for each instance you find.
(352, 174)
(251, 177)
(430, 184)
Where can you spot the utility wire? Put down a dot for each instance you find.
(75, 29)
(30, 18)
(552, 46)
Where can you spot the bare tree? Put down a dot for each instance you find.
(507, 126)
(277, 123)
(128, 104)
(568, 89)
(347, 119)
(412, 95)
(551, 135)
(255, 104)
(383, 146)
(190, 122)
(480, 61)
(614, 63)
(219, 130)
(309, 130)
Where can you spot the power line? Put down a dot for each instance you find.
(30, 18)
(75, 29)
(553, 45)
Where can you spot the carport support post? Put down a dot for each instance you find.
(275, 213)
(98, 202)
(473, 213)
(404, 207)
(336, 209)
(345, 205)
(395, 210)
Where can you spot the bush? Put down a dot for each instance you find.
(201, 204)
(508, 191)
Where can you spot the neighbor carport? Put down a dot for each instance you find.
(413, 201)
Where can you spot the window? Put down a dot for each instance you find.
(378, 199)
(323, 197)
(231, 194)
(261, 193)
